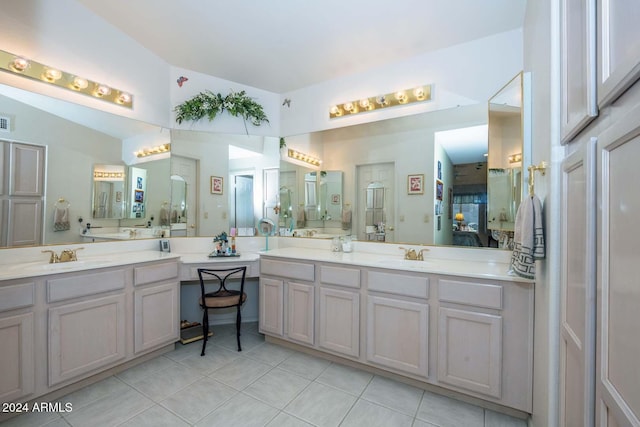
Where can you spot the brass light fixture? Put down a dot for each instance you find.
(515, 158)
(21, 66)
(164, 148)
(401, 97)
(297, 155)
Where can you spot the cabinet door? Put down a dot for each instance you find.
(470, 350)
(85, 336)
(578, 51)
(271, 302)
(300, 312)
(398, 334)
(577, 288)
(618, 293)
(156, 316)
(16, 357)
(27, 170)
(618, 48)
(339, 319)
(24, 225)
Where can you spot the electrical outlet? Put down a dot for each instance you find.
(224, 215)
(401, 218)
(206, 215)
(426, 218)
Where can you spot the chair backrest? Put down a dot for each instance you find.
(221, 275)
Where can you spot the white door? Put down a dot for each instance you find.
(383, 173)
(618, 293)
(578, 286)
(188, 169)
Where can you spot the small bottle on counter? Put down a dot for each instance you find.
(233, 240)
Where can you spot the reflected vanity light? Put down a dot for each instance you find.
(515, 158)
(297, 155)
(401, 97)
(20, 66)
(159, 149)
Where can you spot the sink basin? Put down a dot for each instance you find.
(404, 264)
(61, 266)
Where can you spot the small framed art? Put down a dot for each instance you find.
(216, 185)
(415, 184)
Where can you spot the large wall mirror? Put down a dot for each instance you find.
(101, 189)
(333, 204)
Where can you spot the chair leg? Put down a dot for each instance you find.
(205, 330)
(238, 321)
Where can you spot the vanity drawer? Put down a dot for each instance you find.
(341, 276)
(155, 273)
(17, 296)
(288, 269)
(399, 284)
(469, 293)
(85, 284)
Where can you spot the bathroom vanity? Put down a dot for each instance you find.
(63, 323)
(464, 326)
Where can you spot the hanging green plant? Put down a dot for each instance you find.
(208, 104)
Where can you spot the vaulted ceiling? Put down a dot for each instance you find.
(284, 45)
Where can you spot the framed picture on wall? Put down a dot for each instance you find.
(450, 202)
(415, 184)
(439, 189)
(216, 185)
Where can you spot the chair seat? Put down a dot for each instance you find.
(220, 299)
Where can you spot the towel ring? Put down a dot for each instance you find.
(542, 168)
(60, 201)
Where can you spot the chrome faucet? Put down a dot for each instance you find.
(412, 254)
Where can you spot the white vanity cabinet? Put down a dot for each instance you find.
(485, 339)
(472, 336)
(156, 305)
(87, 322)
(17, 336)
(339, 310)
(287, 299)
(398, 321)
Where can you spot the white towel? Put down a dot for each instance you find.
(346, 219)
(61, 219)
(164, 217)
(528, 238)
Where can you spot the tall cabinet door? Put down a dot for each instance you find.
(578, 286)
(27, 170)
(618, 346)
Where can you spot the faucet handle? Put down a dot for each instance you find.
(53, 258)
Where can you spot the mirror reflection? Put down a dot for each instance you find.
(108, 191)
(506, 147)
(335, 204)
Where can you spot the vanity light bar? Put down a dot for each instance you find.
(515, 158)
(402, 97)
(21, 66)
(104, 174)
(293, 154)
(164, 148)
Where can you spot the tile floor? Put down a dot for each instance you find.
(264, 385)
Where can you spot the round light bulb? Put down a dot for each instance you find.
(19, 64)
(51, 74)
(335, 110)
(364, 103)
(102, 90)
(401, 96)
(124, 98)
(79, 83)
(348, 106)
(419, 92)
